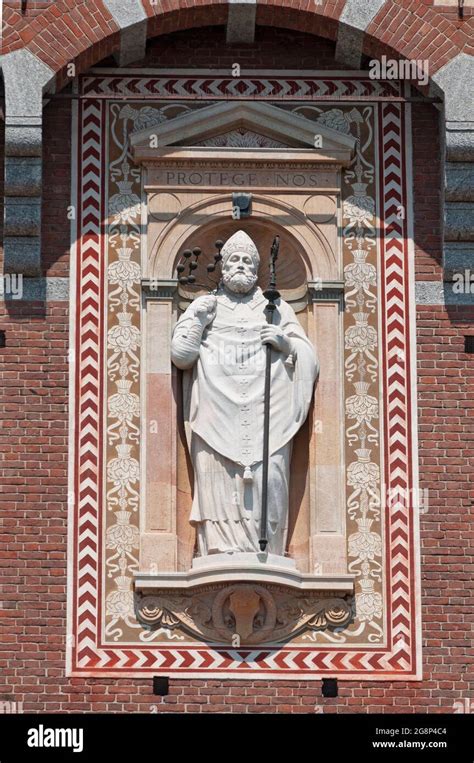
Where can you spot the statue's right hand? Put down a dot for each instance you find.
(204, 308)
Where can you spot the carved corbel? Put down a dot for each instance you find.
(253, 613)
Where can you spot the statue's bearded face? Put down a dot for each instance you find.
(239, 273)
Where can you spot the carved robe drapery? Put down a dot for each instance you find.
(223, 405)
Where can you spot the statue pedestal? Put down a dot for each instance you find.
(245, 568)
(245, 560)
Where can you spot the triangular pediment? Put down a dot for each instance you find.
(231, 126)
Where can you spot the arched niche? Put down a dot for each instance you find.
(312, 237)
(296, 195)
(316, 497)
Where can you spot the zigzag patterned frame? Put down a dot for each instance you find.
(87, 656)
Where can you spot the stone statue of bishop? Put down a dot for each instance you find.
(219, 342)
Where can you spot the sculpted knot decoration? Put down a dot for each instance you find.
(251, 612)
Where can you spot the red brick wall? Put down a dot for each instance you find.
(13, 18)
(30, 7)
(446, 434)
(33, 445)
(33, 474)
(270, 50)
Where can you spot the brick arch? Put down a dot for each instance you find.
(88, 32)
(401, 28)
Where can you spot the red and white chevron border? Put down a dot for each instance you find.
(89, 655)
(88, 385)
(397, 381)
(182, 86)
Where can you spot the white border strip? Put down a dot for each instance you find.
(412, 381)
(198, 73)
(71, 508)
